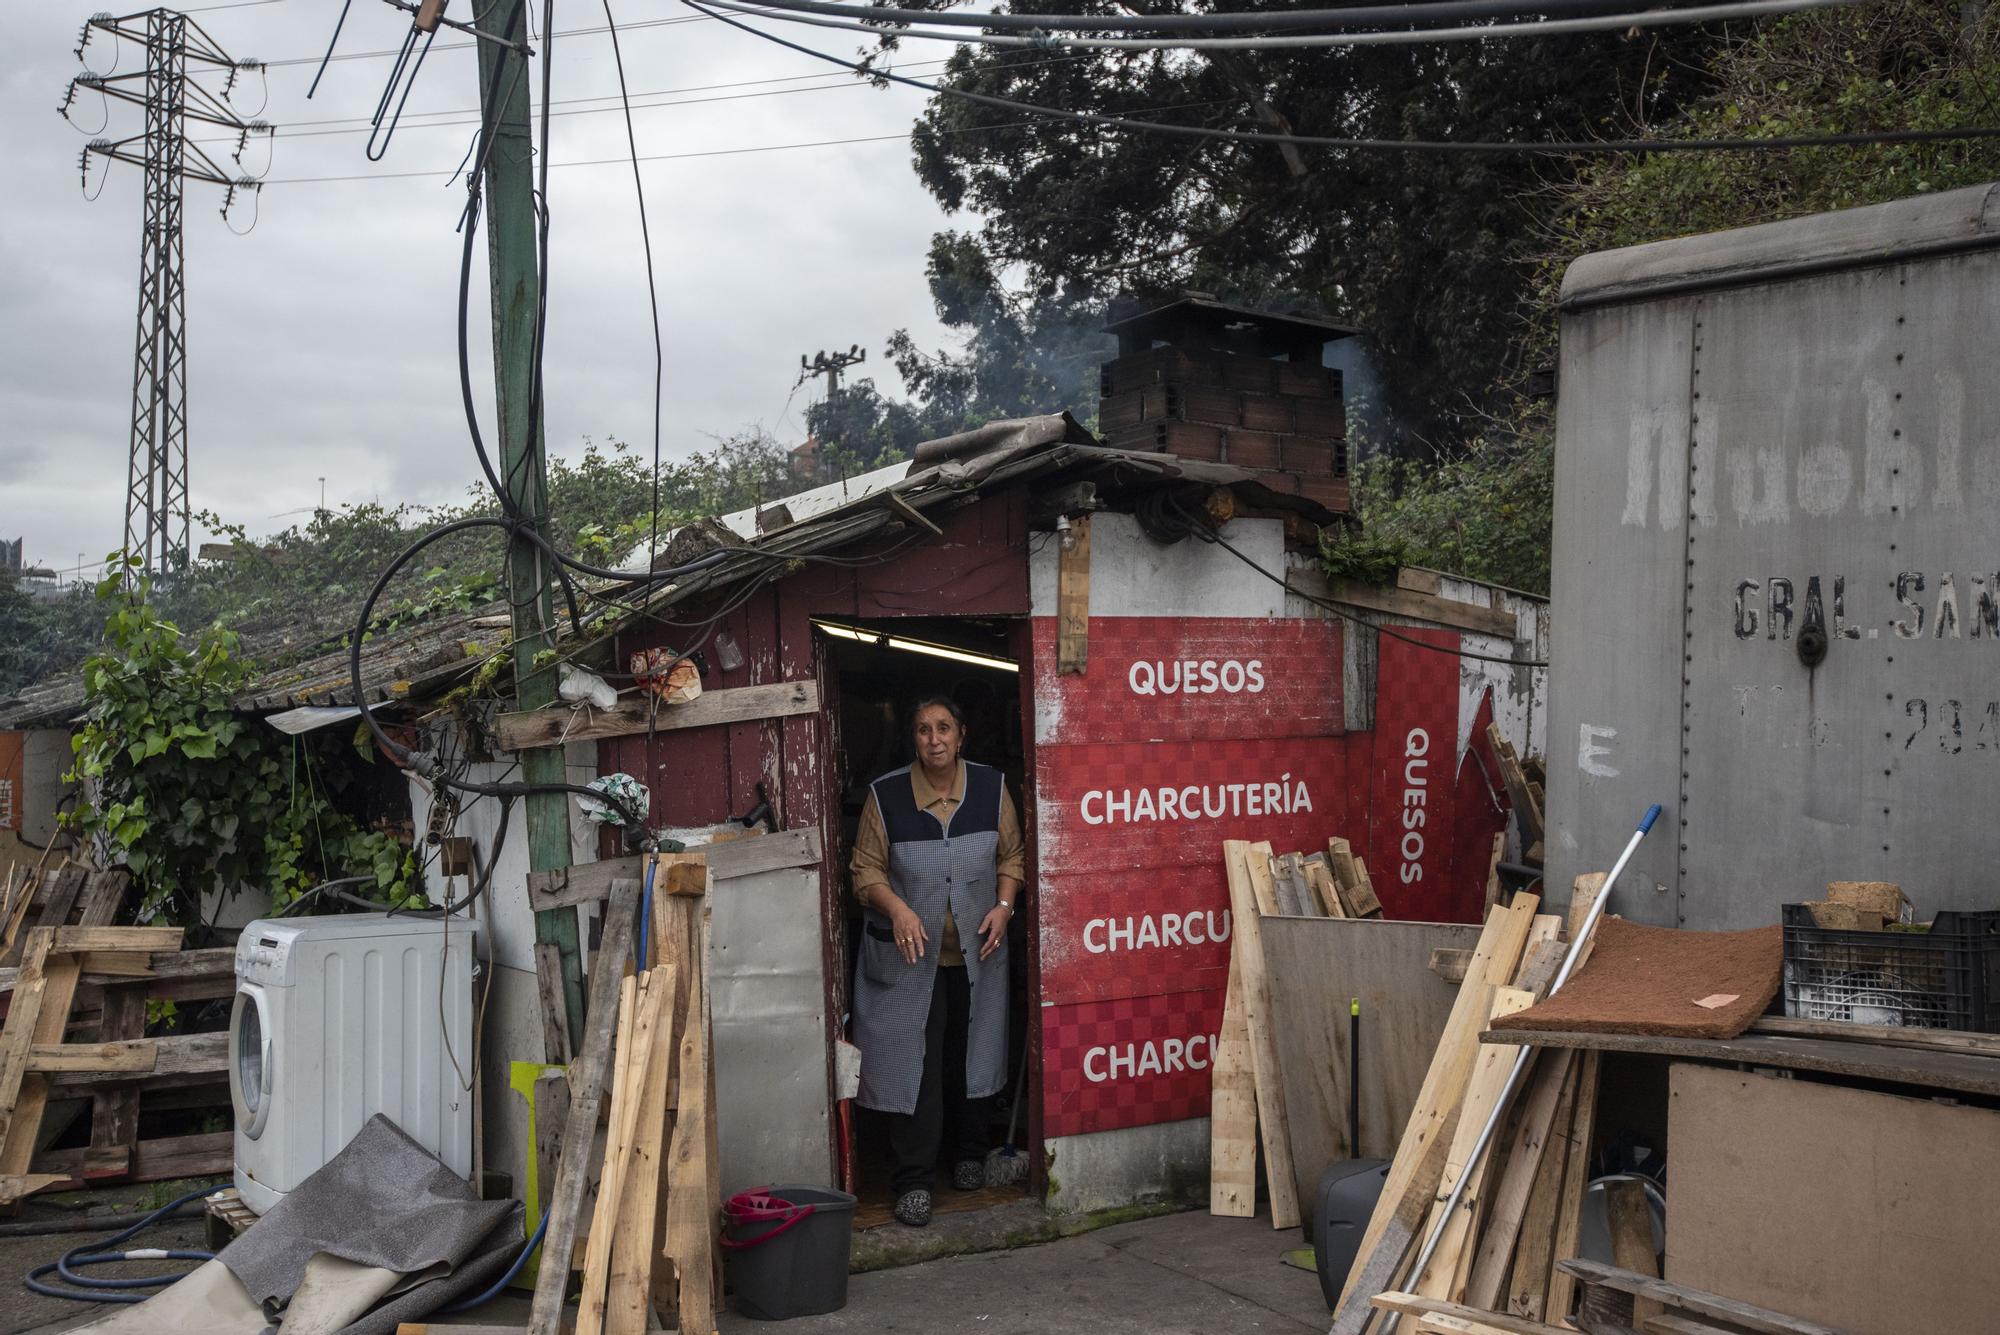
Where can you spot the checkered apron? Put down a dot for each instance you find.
(932, 865)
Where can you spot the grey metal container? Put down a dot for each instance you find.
(1776, 584)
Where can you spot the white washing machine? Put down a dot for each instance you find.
(337, 1019)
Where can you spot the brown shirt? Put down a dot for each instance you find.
(870, 863)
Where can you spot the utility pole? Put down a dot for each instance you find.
(830, 366)
(157, 517)
(516, 297)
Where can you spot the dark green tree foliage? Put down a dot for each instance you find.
(1428, 253)
(861, 429)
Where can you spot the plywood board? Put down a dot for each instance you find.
(1314, 967)
(1886, 1201)
(1232, 1114)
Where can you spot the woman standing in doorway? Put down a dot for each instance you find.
(939, 846)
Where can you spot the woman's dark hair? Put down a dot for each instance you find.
(944, 702)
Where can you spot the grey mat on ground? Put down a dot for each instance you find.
(384, 1201)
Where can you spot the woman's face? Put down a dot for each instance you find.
(938, 737)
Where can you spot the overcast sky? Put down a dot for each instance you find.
(323, 343)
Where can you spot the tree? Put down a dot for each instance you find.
(1429, 252)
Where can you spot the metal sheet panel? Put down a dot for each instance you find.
(1843, 467)
(1618, 598)
(769, 1015)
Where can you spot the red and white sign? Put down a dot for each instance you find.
(1188, 679)
(1128, 1062)
(1138, 933)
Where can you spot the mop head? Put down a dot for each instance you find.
(1005, 1166)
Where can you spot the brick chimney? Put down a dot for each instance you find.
(1201, 379)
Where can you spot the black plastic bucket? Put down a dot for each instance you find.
(787, 1250)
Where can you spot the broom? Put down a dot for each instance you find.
(1007, 1164)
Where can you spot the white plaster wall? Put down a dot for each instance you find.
(1133, 576)
(1098, 1170)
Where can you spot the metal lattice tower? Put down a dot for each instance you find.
(157, 512)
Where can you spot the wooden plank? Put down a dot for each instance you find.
(17, 1038)
(1427, 607)
(1073, 598)
(1541, 1108)
(1449, 964)
(131, 1056)
(684, 874)
(104, 898)
(1242, 862)
(1959, 1072)
(1419, 1159)
(114, 1111)
(159, 1160)
(59, 895)
(690, 1241)
(1413, 1304)
(639, 1005)
(1582, 894)
(1668, 1323)
(1325, 889)
(16, 1189)
(1288, 886)
(1631, 1226)
(147, 939)
(1541, 963)
(726, 861)
(1232, 1116)
(637, 1238)
(676, 944)
(554, 1009)
(117, 964)
(558, 724)
(1263, 885)
(1532, 1259)
(1895, 1036)
(1569, 1206)
(1366, 905)
(586, 1076)
(60, 974)
(1441, 1277)
(1493, 869)
(1316, 966)
(1682, 1298)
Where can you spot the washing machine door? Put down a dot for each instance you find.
(250, 1059)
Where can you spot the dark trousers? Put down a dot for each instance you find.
(943, 1114)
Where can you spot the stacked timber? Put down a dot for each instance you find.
(649, 1255)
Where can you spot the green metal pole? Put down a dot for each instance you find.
(516, 289)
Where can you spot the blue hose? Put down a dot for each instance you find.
(527, 1250)
(89, 1290)
(645, 916)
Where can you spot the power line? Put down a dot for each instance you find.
(461, 46)
(1249, 21)
(1560, 148)
(1042, 41)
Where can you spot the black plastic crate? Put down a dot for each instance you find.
(1946, 978)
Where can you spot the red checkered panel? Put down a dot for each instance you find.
(1132, 1061)
(1410, 841)
(1125, 934)
(1180, 679)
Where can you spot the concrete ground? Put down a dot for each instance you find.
(21, 1310)
(1171, 1274)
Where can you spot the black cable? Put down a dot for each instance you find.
(652, 290)
(1240, 21)
(1556, 148)
(450, 905)
(331, 42)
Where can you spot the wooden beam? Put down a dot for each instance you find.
(1895, 1036)
(1427, 607)
(586, 1076)
(1419, 1160)
(1542, 1108)
(131, 1056)
(643, 714)
(1232, 1113)
(1528, 1285)
(153, 1160)
(1576, 1176)
(1411, 1304)
(1243, 863)
(726, 861)
(690, 1240)
(1450, 964)
(1073, 598)
(75, 940)
(51, 1021)
(176, 1055)
(1680, 1298)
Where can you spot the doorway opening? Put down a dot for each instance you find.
(879, 669)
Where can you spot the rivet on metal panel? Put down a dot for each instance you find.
(1888, 774)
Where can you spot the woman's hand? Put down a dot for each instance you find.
(909, 929)
(993, 928)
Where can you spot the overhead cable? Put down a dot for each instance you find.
(1549, 148)
(1652, 18)
(1235, 21)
